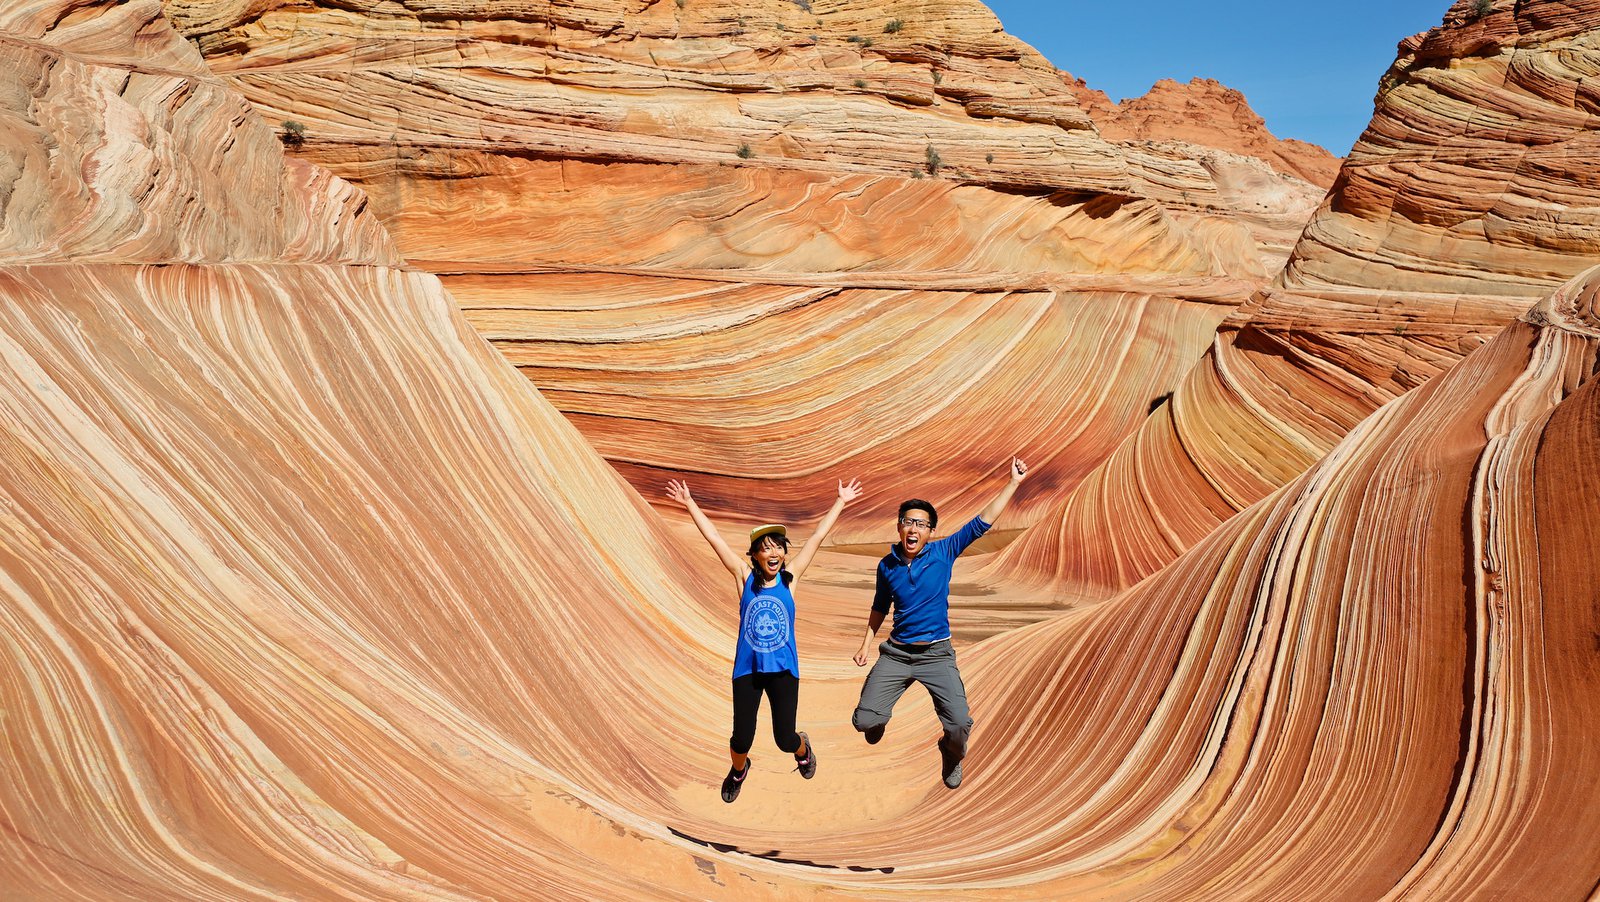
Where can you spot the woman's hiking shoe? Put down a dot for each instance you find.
(873, 734)
(807, 766)
(734, 781)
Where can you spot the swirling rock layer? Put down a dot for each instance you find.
(1468, 198)
(305, 591)
(255, 479)
(693, 198)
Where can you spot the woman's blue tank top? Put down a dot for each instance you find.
(766, 629)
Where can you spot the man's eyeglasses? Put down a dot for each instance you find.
(912, 523)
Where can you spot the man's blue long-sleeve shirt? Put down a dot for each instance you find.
(919, 590)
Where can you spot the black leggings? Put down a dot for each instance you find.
(783, 689)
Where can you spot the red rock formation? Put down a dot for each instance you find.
(1469, 197)
(305, 592)
(257, 482)
(760, 179)
(1208, 113)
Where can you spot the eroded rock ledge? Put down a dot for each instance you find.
(658, 200)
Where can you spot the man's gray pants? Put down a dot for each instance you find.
(932, 665)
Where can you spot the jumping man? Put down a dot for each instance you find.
(914, 580)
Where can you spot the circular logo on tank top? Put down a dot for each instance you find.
(766, 624)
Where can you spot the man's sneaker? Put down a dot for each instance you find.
(734, 781)
(873, 734)
(951, 769)
(807, 766)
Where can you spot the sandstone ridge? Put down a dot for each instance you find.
(307, 592)
(1469, 197)
(1206, 112)
(684, 201)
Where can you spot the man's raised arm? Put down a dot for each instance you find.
(998, 506)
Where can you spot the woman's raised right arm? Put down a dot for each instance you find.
(678, 491)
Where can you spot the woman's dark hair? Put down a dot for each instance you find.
(920, 505)
(755, 546)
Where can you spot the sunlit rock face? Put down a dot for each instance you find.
(1474, 176)
(306, 592)
(108, 162)
(1199, 147)
(273, 524)
(770, 245)
(1206, 113)
(1470, 196)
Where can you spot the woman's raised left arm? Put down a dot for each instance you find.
(847, 494)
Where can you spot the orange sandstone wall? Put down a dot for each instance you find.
(305, 591)
(1400, 638)
(285, 546)
(1469, 197)
(1208, 113)
(651, 211)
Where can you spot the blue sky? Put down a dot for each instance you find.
(1309, 69)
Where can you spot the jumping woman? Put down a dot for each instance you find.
(765, 658)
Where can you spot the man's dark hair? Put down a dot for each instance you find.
(919, 504)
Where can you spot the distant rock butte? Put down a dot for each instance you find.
(1208, 113)
(667, 201)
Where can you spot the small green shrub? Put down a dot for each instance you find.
(937, 76)
(858, 39)
(745, 152)
(893, 26)
(803, 4)
(988, 158)
(1481, 8)
(860, 83)
(933, 161)
(294, 133)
